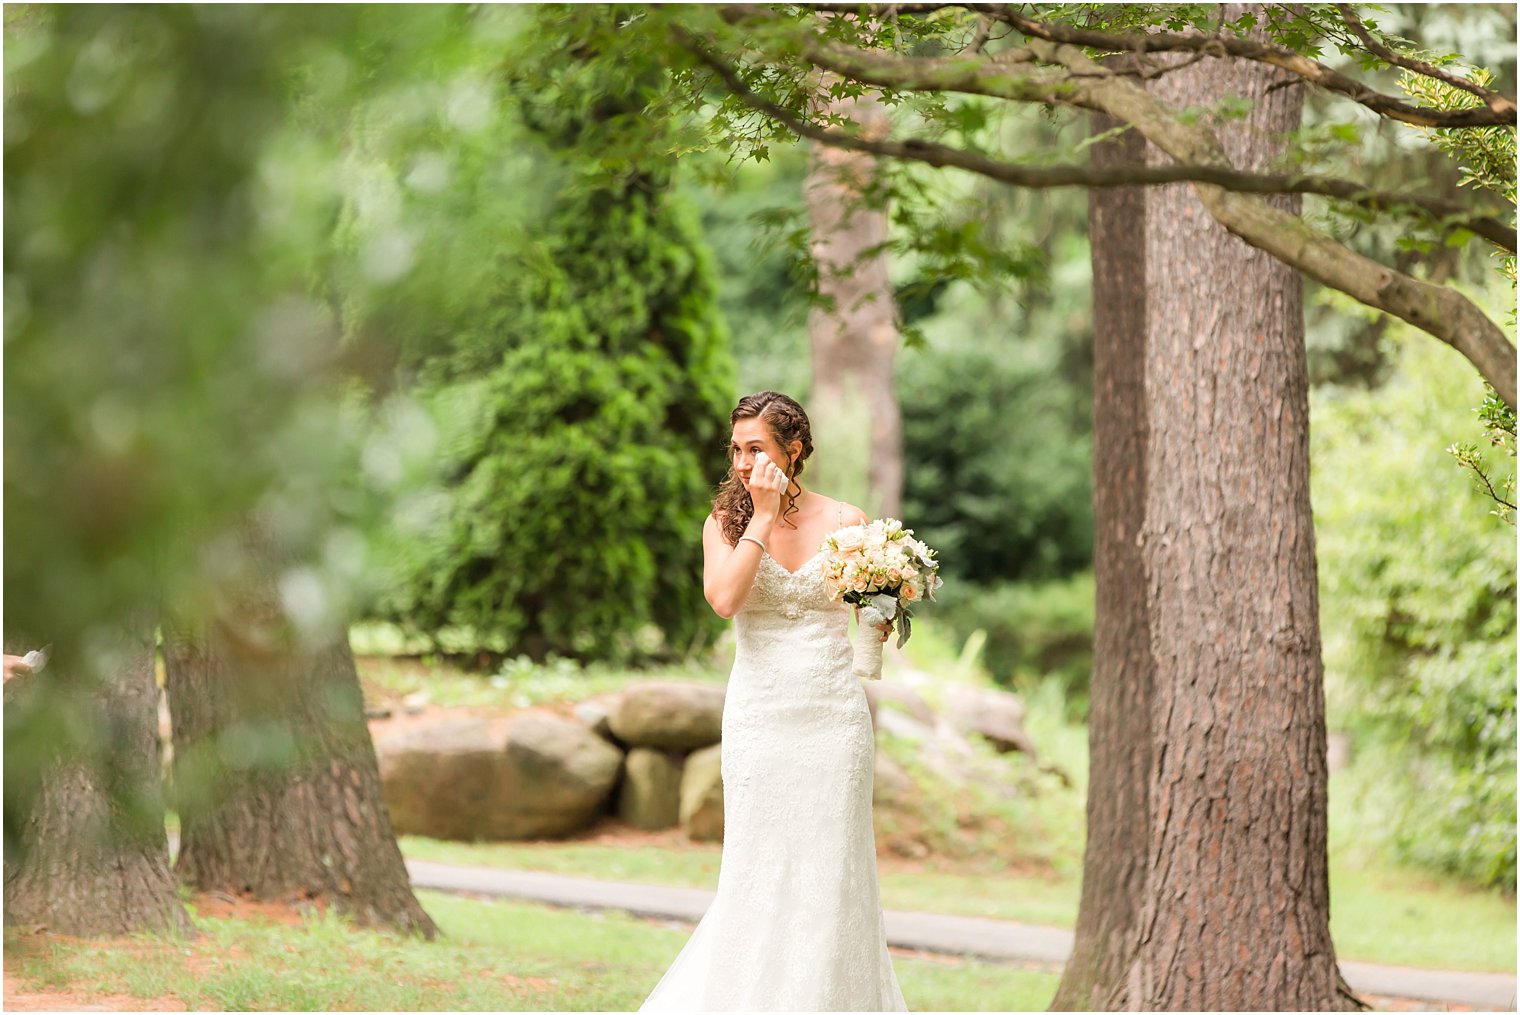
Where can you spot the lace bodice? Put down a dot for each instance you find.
(789, 594)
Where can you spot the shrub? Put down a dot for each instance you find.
(1036, 631)
(997, 445)
(580, 395)
(1417, 592)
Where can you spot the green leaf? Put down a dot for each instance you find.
(1347, 132)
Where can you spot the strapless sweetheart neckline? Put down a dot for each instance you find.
(800, 568)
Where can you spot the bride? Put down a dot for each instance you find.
(796, 924)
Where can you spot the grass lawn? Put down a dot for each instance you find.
(492, 956)
(667, 861)
(1378, 913)
(1024, 866)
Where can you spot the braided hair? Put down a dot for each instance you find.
(787, 422)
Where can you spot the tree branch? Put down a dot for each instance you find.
(1409, 63)
(1497, 110)
(1437, 310)
(1440, 311)
(1449, 214)
(1004, 76)
(983, 32)
(1492, 493)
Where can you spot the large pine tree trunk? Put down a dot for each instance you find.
(857, 425)
(1119, 723)
(1236, 910)
(276, 779)
(93, 859)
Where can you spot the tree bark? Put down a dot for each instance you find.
(1236, 908)
(857, 425)
(1119, 721)
(276, 779)
(92, 858)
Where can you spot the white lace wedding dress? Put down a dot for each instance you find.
(796, 924)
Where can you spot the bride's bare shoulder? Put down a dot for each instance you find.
(849, 514)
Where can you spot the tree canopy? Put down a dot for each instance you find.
(754, 74)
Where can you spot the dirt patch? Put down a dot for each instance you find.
(225, 906)
(21, 996)
(513, 984)
(614, 832)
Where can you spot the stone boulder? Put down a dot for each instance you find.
(996, 716)
(702, 795)
(893, 693)
(890, 784)
(675, 715)
(595, 713)
(526, 776)
(651, 793)
(900, 724)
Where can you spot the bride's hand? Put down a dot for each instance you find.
(765, 484)
(884, 628)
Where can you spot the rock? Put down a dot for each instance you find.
(651, 793)
(669, 714)
(997, 716)
(890, 692)
(595, 713)
(530, 775)
(702, 794)
(890, 784)
(900, 724)
(416, 702)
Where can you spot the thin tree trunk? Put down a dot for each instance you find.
(275, 774)
(1236, 911)
(1119, 722)
(857, 424)
(92, 858)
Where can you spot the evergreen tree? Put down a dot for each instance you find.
(583, 410)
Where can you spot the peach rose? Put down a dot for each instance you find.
(909, 593)
(850, 540)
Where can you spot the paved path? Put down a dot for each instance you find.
(1000, 940)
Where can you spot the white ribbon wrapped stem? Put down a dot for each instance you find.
(867, 665)
(868, 640)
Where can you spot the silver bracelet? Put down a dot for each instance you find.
(752, 539)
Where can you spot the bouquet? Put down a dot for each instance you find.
(883, 570)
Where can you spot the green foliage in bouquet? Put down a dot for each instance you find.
(1417, 587)
(581, 405)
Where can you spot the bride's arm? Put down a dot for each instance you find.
(728, 572)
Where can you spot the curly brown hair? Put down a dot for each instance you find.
(787, 422)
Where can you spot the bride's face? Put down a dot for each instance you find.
(750, 437)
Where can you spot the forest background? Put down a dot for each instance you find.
(459, 427)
